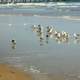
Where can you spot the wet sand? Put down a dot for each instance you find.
(44, 61)
(9, 73)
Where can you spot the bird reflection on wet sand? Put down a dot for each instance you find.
(13, 46)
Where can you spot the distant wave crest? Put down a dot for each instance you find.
(50, 4)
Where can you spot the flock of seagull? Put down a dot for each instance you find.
(51, 32)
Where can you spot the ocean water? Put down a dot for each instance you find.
(49, 9)
(47, 58)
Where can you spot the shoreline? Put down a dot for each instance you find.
(8, 72)
(75, 18)
(43, 4)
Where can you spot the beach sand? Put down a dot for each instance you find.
(57, 77)
(10, 73)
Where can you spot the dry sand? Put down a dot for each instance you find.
(9, 73)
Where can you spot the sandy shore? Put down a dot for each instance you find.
(9, 73)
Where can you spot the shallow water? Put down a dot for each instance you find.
(45, 58)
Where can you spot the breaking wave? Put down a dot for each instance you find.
(49, 4)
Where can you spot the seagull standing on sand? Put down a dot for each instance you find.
(40, 29)
(34, 28)
(57, 34)
(50, 30)
(64, 34)
(14, 42)
(76, 36)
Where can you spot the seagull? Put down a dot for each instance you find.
(49, 29)
(77, 36)
(57, 34)
(64, 34)
(40, 29)
(34, 28)
(13, 41)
